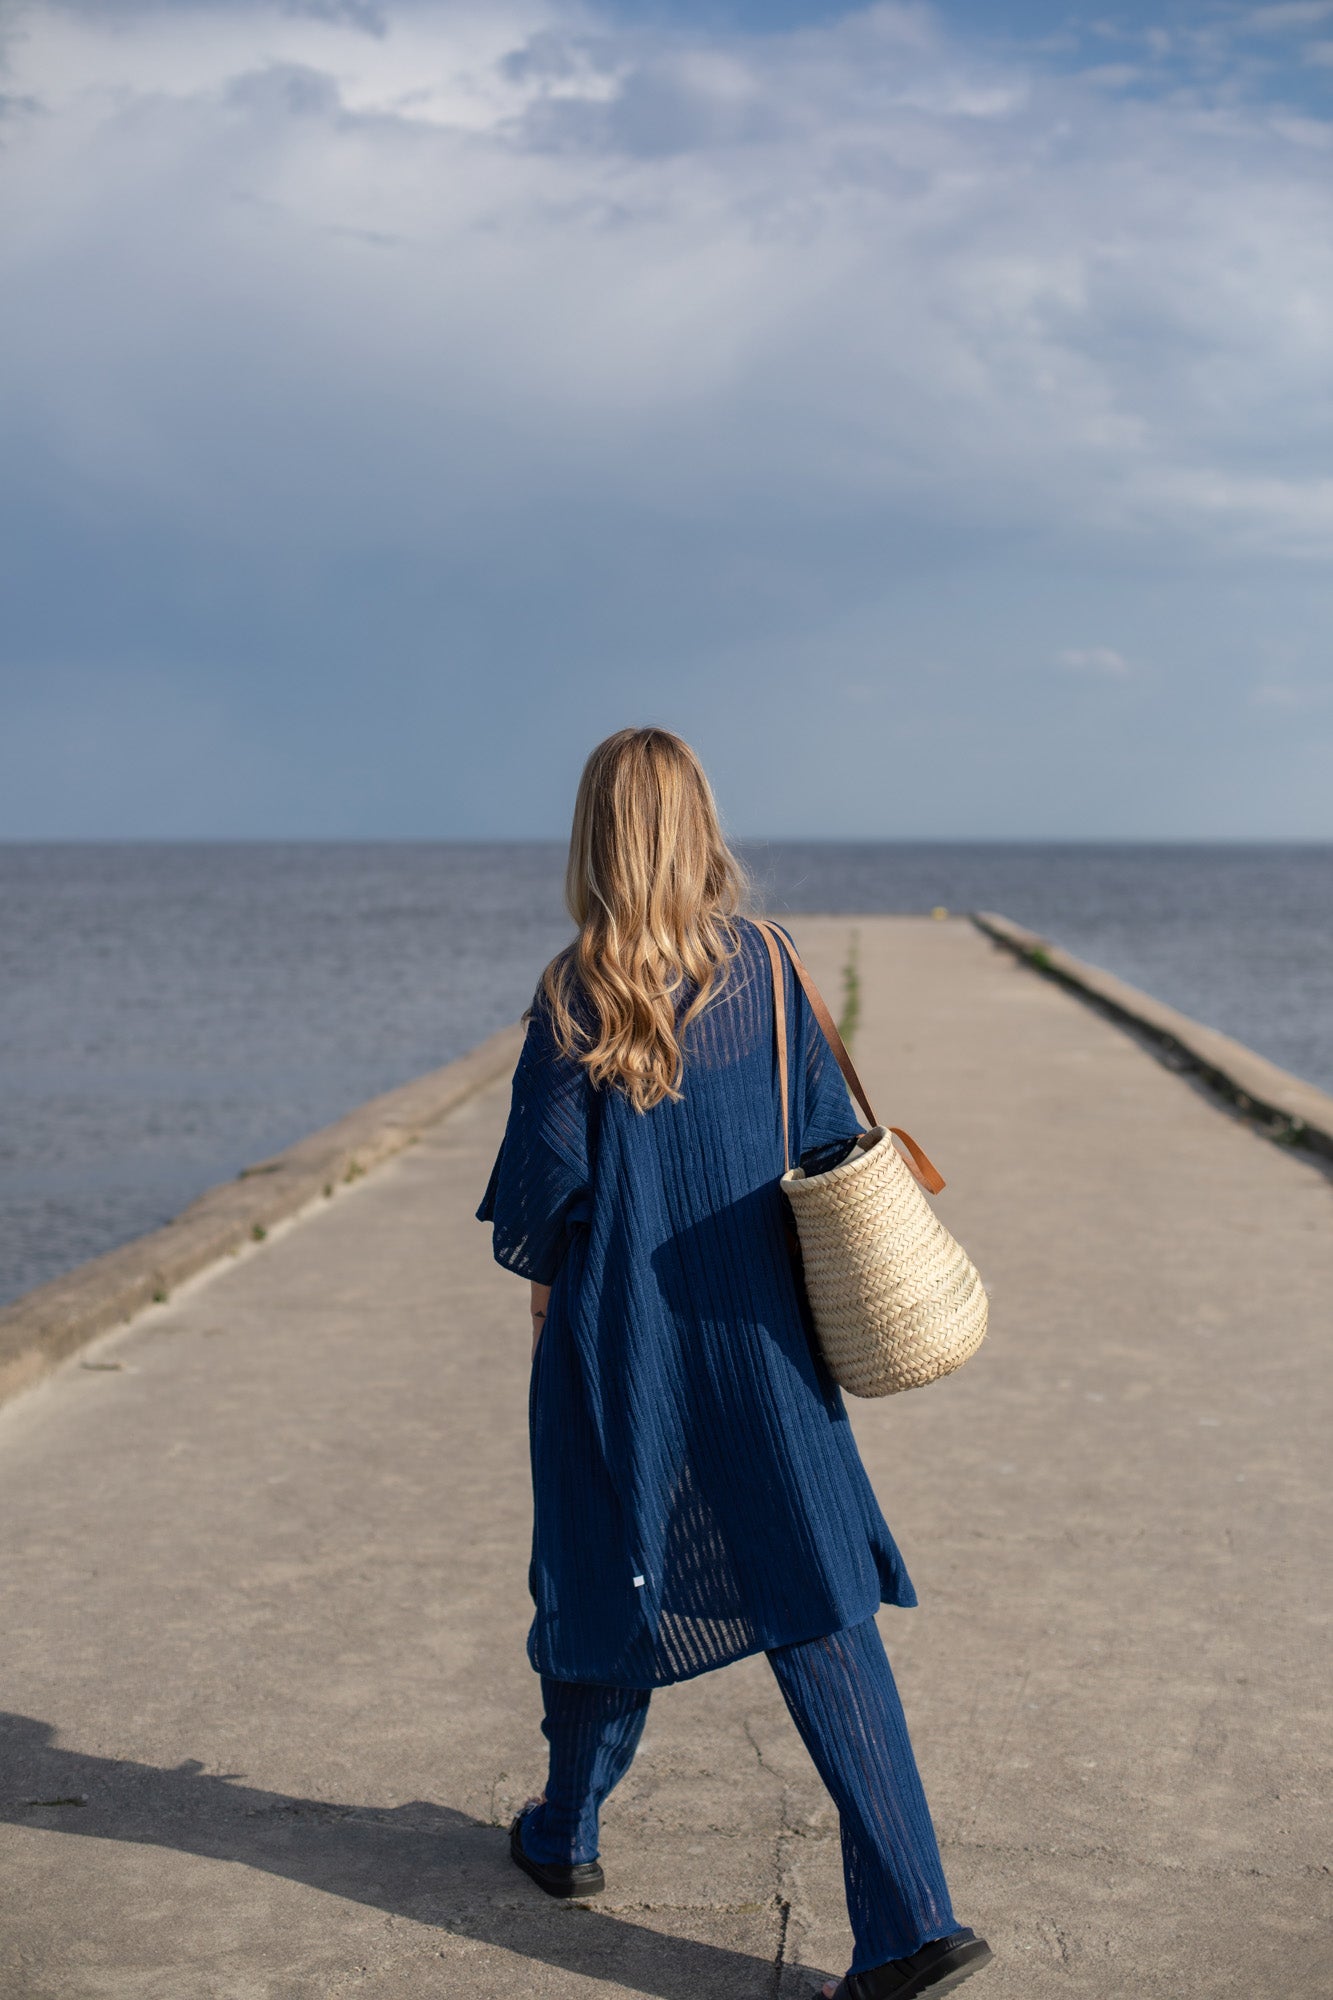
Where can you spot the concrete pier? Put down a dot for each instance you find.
(263, 1582)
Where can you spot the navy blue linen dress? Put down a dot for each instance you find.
(698, 1493)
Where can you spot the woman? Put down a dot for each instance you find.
(698, 1492)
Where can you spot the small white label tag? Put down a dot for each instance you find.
(638, 1583)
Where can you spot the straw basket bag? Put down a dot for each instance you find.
(896, 1303)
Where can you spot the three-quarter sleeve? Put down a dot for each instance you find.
(542, 1172)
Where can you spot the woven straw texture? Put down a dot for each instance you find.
(896, 1302)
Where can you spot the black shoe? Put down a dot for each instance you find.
(937, 1968)
(558, 1878)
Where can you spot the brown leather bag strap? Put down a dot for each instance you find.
(779, 1033)
(923, 1172)
(821, 1014)
(922, 1168)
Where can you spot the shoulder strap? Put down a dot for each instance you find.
(928, 1175)
(779, 1032)
(772, 935)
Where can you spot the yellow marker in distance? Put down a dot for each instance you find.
(939, 911)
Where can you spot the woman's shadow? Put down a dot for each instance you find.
(424, 1861)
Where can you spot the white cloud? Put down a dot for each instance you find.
(1113, 76)
(1094, 660)
(1298, 697)
(857, 265)
(696, 373)
(1317, 133)
(857, 259)
(1295, 14)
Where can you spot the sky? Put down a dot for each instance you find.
(926, 410)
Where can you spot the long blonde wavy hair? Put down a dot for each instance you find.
(655, 892)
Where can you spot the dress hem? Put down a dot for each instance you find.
(711, 1666)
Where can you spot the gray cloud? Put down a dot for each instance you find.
(369, 17)
(702, 364)
(282, 88)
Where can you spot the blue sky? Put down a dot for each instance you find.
(927, 410)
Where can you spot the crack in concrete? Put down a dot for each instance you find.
(780, 1956)
(755, 1745)
(603, 1908)
(1057, 1939)
(784, 1831)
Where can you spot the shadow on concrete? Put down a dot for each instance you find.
(423, 1861)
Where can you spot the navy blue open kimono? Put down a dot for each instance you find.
(698, 1493)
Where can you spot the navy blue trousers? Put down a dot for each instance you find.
(842, 1697)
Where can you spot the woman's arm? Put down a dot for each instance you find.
(540, 1298)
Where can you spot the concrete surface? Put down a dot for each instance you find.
(263, 1599)
(54, 1320)
(1294, 1112)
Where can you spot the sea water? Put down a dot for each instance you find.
(170, 1013)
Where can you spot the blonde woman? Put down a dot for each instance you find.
(698, 1492)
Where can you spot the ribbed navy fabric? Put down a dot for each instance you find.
(844, 1701)
(842, 1697)
(593, 1733)
(698, 1494)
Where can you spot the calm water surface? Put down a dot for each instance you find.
(170, 1013)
